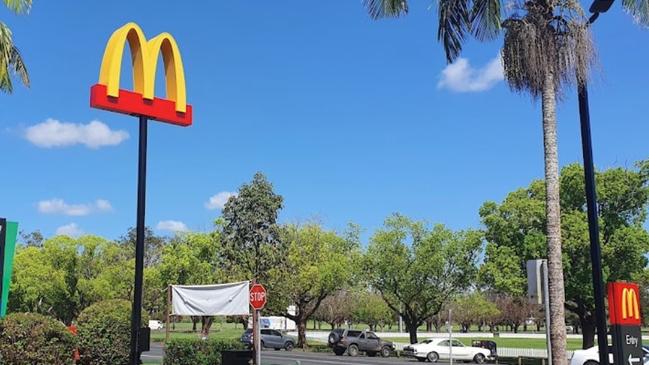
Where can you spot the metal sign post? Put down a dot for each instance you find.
(257, 302)
(450, 338)
(141, 102)
(546, 301)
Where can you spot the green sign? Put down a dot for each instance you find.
(8, 234)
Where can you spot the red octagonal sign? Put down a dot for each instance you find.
(257, 296)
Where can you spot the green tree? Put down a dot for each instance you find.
(318, 263)
(153, 245)
(515, 234)
(11, 62)
(189, 259)
(67, 274)
(250, 234)
(473, 308)
(372, 310)
(417, 270)
(547, 47)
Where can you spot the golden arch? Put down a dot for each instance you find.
(630, 304)
(144, 58)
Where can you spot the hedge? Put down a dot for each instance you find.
(33, 339)
(104, 332)
(197, 351)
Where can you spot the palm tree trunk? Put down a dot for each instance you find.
(553, 217)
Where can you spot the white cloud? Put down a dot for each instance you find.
(172, 226)
(218, 201)
(53, 133)
(460, 76)
(59, 206)
(71, 230)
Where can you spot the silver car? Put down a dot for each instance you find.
(270, 339)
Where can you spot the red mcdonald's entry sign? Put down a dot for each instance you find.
(624, 304)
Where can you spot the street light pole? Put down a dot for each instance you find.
(593, 225)
(598, 6)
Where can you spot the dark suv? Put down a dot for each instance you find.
(270, 339)
(355, 342)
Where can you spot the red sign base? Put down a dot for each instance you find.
(132, 103)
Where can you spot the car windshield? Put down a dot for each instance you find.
(427, 341)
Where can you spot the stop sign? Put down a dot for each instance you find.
(257, 296)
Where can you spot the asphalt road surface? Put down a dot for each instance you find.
(326, 358)
(304, 358)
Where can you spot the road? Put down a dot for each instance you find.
(304, 358)
(326, 358)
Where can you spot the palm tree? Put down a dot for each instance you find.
(11, 62)
(547, 47)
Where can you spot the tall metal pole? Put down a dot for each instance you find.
(450, 337)
(593, 225)
(136, 314)
(546, 301)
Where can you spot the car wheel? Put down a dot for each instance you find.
(591, 362)
(433, 357)
(261, 345)
(289, 346)
(339, 352)
(479, 359)
(385, 351)
(352, 350)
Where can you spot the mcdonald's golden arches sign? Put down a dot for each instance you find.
(108, 95)
(624, 304)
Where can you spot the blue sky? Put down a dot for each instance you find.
(349, 118)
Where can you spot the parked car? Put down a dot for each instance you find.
(354, 342)
(155, 325)
(435, 349)
(591, 356)
(270, 339)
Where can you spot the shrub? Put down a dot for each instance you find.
(29, 339)
(197, 351)
(104, 331)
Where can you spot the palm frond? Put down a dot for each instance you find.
(454, 22)
(638, 9)
(19, 6)
(486, 19)
(11, 62)
(386, 8)
(535, 47)
(18, 66)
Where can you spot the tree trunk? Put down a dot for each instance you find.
(553, 217)
(429, 325)
(588, 325)
(206, 324)
(195, 320)
(412, 329)
(301, 332)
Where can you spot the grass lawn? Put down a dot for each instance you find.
(184, 330)
(518, 343)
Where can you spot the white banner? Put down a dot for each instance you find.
(211, 300)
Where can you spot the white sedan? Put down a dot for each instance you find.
(440, 348)
(591, 356)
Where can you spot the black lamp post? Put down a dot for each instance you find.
(597, 7)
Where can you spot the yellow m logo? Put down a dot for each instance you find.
(144, 55)
(629, 302)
